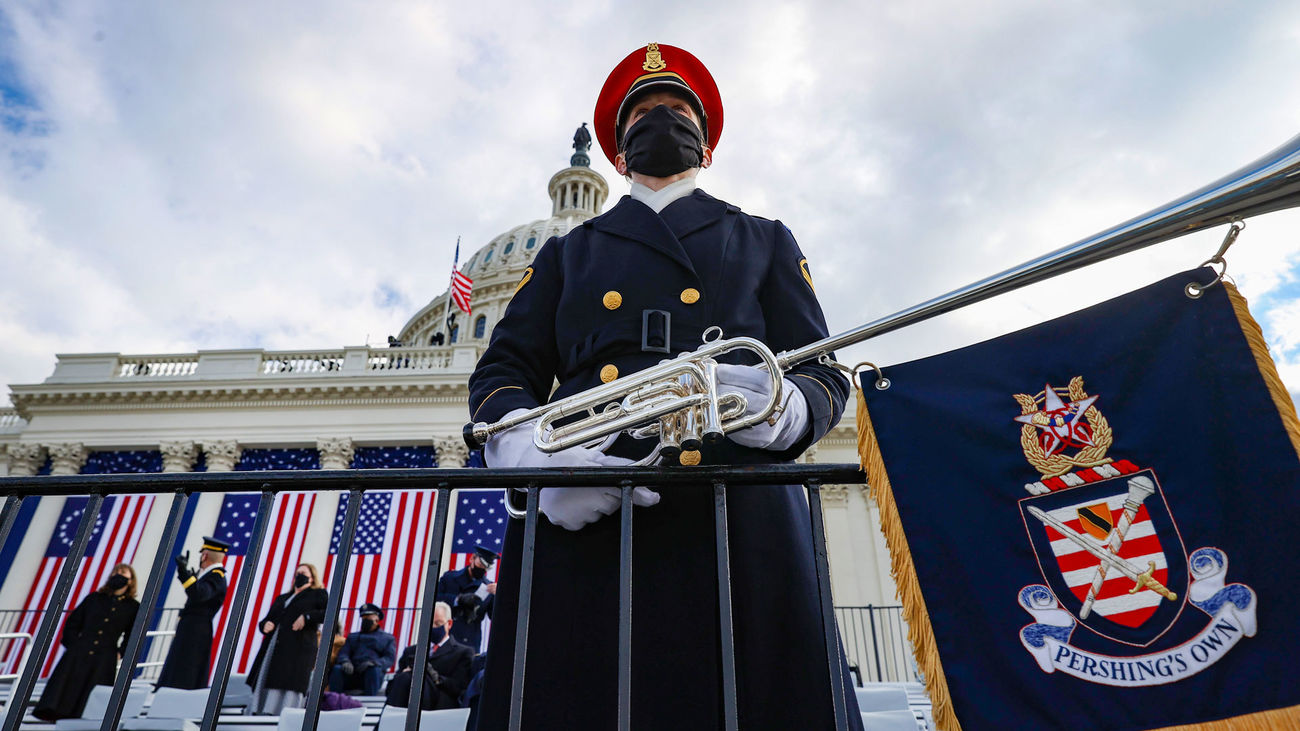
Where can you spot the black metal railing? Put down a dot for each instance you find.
(356, 482)
(876, 644)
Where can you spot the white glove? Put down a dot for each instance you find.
(756, 386)
(567, 507)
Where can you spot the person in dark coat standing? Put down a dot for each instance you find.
(642, 282)
(470, 596)
(290, 635)
(366, 655)
(446, 673)
(187, 660)
(94, 636)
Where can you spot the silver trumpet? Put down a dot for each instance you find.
(678, 400)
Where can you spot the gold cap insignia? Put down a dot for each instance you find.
(654, 61)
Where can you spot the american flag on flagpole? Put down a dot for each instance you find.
(389, 553)
(116, 536)
(281, 553)
(461, 285)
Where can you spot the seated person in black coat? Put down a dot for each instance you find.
(93, 637)
(366, 655)
(446, 674)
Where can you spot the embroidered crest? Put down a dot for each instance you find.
(1112, 557)
(1059, 436)
(654, 61)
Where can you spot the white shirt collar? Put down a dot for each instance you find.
(659, 199)
(208, 569)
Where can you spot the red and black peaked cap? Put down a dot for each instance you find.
(656, 66)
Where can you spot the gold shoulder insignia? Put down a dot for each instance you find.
(219, 572)
(654, 61)
(528, 274)
(807, 275)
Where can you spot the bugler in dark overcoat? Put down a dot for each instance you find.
(578, 312)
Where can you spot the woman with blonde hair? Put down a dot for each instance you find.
(290, 634)
(94, 636)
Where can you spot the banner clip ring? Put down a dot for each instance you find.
(1193, 289)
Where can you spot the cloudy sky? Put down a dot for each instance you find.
(183, 176)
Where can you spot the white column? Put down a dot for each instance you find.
(335, 453)
(67, 458)
(452, 451)
(178, 456)
(25, 459)
(223, 455)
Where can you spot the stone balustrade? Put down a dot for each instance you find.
(230, 364)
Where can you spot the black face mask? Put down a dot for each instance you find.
(116, 581)
(368, 625)
(437, 633)
(663, 143)
(301, 580)
(477, 572)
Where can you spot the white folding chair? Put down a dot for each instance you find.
(454, 719)
(173, 709)
(889, 721)
(881, 698)
(345, 720)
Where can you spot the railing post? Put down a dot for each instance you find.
(525, 606)
(7, 518)
(22, 690)
(834, 657)
(320, 670)
(625, 610)
(875, 643)
(424, 614)
(722, 547)
(238, 609)
(158, 576)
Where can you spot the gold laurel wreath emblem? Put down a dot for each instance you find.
(1058, 464)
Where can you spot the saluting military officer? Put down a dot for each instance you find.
(470, 596)
(638, 284)
(205, 590)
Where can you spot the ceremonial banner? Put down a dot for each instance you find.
(1093, 520)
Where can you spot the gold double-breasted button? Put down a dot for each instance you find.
(608, 373)
(690, 295)
(612, 300)
(690, 457)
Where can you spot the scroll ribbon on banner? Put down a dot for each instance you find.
(1061, 504)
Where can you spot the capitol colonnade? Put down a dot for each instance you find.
(367, 405)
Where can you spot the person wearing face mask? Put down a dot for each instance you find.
(470, 595)
(94, 636)
(290, 633)
(366, 655)
(638, 284)
(187, 660)
(446, 673)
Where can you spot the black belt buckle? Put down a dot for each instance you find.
(656, 331)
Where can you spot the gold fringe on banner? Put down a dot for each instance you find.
(919, 630)
(1267, 369)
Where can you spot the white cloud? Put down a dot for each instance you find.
(245, 175)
